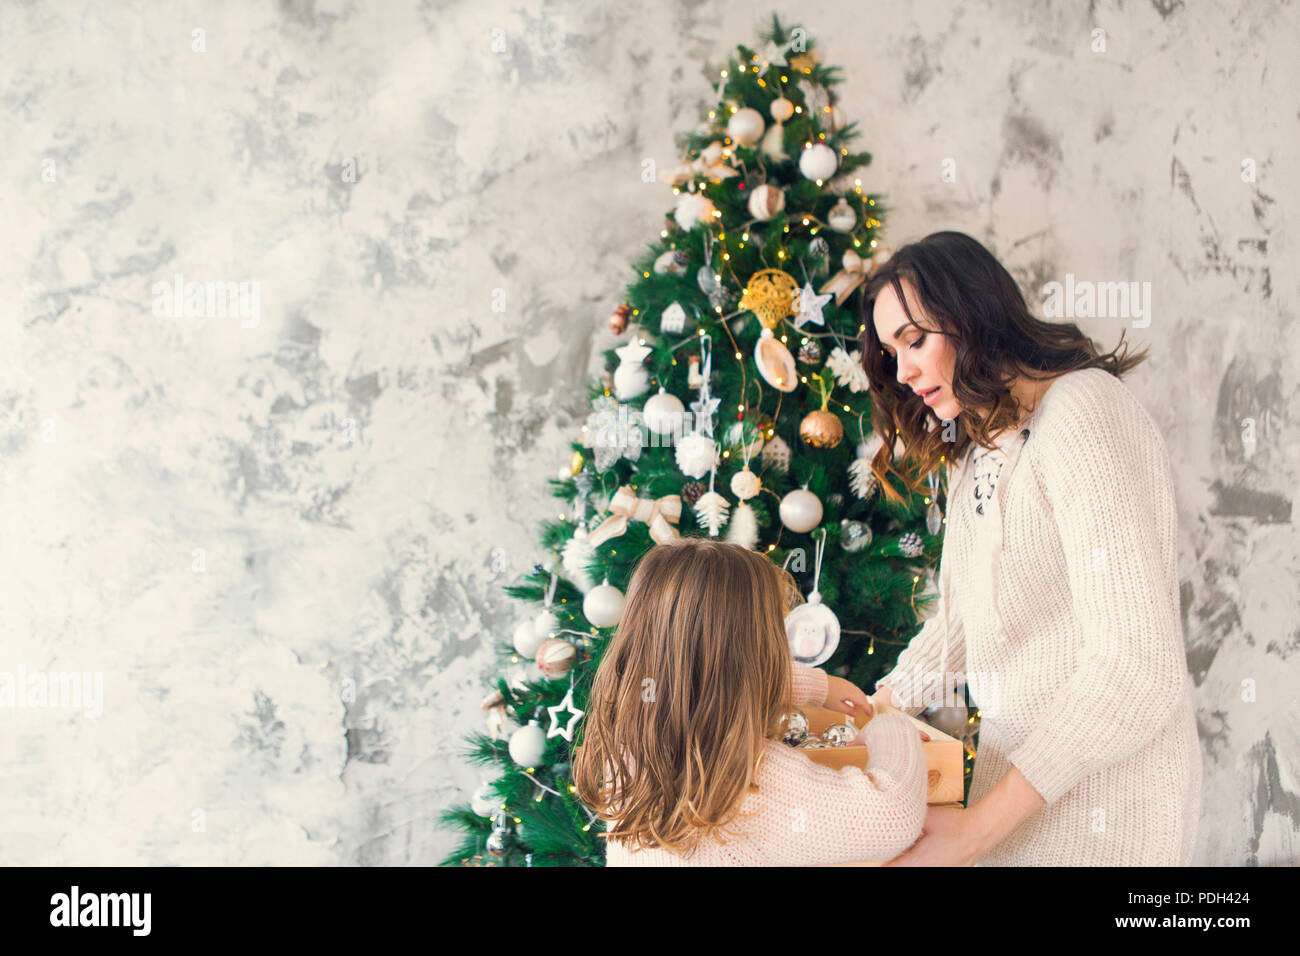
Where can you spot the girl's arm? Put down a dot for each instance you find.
(811, 684)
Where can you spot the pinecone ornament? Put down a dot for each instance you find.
(810, 353)
(692, 490)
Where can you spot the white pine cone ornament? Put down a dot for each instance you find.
(861, 481)
(711, 512)
(776, 454)
(910, 545)
(697, 455)
(743, 529)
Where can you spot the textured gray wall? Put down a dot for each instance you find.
(272, 533)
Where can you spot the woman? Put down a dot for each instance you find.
(1058, 596)
(682, 749)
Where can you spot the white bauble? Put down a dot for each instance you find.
(801, 510)
(746, 126)
(555, 657)
(766, 201)
(781, 109)
(545, 624)
(528, 745)
(485, 801)
(576, 557)
(527, 640)
(664, 413)
(818, 162)
(745, 484)
(603, 605)
(692, 208)
(631, 380)
(697, 455)
(842, 218)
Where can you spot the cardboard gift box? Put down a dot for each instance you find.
(944, 756)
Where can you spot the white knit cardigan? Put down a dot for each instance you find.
(1060, 606)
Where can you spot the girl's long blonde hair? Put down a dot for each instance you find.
(694, 683)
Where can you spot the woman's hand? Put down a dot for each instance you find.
(847, 698)
(950, 836)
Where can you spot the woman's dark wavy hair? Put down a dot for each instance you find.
(969, 296)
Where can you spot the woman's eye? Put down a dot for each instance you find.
(917, 343)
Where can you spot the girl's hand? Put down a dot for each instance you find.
(847, 698)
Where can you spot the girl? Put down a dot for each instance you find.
(682, 748)
(1058, 594)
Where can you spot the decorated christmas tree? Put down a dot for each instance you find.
(737, 407)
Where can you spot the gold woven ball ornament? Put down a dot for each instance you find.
(821, 429)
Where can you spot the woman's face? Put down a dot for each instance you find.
(925, 360)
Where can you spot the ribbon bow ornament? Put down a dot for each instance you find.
(661, 514)
(855, 271)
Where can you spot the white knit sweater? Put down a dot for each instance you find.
(804, 814)
(1059, 599)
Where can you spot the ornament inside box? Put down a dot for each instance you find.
(944, 755)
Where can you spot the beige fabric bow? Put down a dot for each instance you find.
(659, 513)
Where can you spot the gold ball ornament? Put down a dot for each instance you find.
(770, 294)
(821, 429)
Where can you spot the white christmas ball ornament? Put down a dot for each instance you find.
(527, 640)
(842, 218)
(766, 201)
(692, 208)
(781, 109)
(603, 605)
(818, 162)
(697, 455)
(746, 126)
(801, 510)
(556, 657)
(664, 413)
(745, 484)
(528, 745)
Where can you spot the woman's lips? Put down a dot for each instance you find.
(930, 396)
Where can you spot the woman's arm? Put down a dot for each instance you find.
(1106, 474)
(924, 656)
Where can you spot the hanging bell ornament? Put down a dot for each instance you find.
(933, 516)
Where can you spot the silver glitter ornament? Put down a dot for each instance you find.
(839, 735)
(796, 728)
(854, 535)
